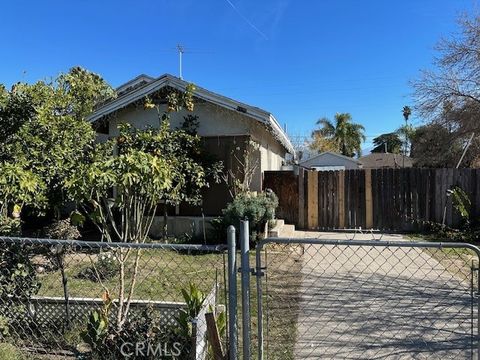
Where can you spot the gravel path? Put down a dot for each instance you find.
(380, 303)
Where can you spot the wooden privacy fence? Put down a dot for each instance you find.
(387, 199)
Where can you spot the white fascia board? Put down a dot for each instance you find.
(128, 99)
(281, 133)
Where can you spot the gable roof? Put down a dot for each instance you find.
(385, 160)
(144, 85)
(130, 85)
(340, 156)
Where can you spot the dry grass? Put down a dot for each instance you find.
(162, 274)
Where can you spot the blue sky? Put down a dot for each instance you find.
(300, 60)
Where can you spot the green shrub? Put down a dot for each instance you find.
(18, 283)
(258, 209)
(97, 327)
(194, 299)
(462, 204)
(467, 231)
(10, 226)
(18, 278)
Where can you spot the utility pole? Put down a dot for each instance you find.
(181, 50)
(449, 191)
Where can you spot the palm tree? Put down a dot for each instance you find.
(406, 111)
(388, 143)
(347, 135)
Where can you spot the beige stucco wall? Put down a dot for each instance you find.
(213, 121)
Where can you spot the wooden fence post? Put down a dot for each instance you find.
(368, 199)
(301, 199)
(312, 196)
(341, 199)
(214, 337)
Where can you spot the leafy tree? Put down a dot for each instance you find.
(346, 135)
(80, 91)
(433, 145)
(44, 132)
(406, 133)
(120, 191)
(16, 107)
(124, 180)
(390, 142)
(321, 144)
(17, 187)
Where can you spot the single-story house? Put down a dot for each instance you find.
(330, 161)
(225, 126)
(386, 161)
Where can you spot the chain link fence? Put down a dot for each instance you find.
(312, 299)
(73, 299)
(347, 299)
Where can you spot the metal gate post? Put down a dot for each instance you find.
(232, 293)
(259, 274)
(478, 308)
(245, 269)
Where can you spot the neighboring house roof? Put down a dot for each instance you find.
(329, 153)
(144, 85)
(385, 160)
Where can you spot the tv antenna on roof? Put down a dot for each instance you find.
(181, 50)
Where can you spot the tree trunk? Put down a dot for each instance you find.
(65, 290)
(165, 222)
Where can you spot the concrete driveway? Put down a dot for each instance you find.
(381, 303)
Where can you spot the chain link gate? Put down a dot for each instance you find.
(353, 299)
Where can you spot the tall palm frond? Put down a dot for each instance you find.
(347, 136)
(327, 129)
